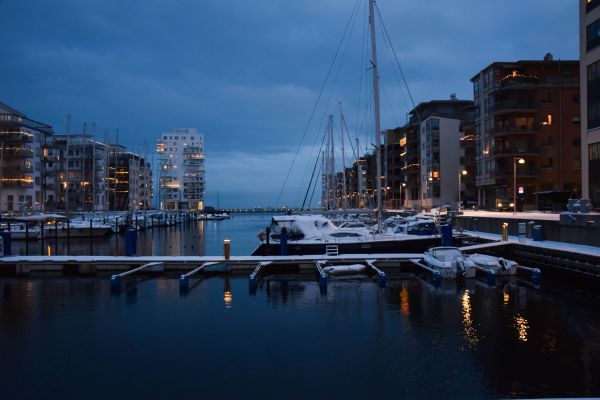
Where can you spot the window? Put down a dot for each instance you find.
(593, 97)
(576, 99)
(593, 35)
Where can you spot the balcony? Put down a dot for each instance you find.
(521, 173)
(14, 119)
(516, 152)
(508, 130)
(519, 106)
(534, 82)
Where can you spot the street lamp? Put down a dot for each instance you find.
(460, 174)
(515, 161)
(405, 197)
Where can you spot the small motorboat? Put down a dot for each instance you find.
(449, 262)
(344, 269)
(500, 265)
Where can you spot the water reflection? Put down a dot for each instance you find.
(522, 326)
(469, 329)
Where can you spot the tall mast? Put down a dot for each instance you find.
(83, 159)
(331, 165)
(66, 159)
(376, 108)
(344, 202)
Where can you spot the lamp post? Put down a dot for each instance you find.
(405, 199)
(460, 174)
(515, 161)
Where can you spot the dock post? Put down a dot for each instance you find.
(446, 235)
(26, 238)
(536, 275)
(68, 237)
(184, 282)
(436, 278)
(42, 238)
(6, 238)
(91, 238)
(504, 231)
(283, 237)
(55, 237)
(115, 282)
(130, 242)
(226, 249)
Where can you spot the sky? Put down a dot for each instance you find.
(249, 74)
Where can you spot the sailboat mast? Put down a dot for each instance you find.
(332, 184)
(376, 108)
(344, 203)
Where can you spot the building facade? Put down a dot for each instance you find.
(527, 128)
(589, 67)
(129, 181)
(22, 162)
(182, 173)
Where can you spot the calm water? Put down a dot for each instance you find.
(72, 338)
(194, 238)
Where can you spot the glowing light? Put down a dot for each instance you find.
(505, 299)
(522, 326)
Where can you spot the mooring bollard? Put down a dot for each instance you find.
(130, 242)
(226, 249)
(446, 235)
(504, 231)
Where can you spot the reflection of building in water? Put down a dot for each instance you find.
(404, 304)
(227, 296)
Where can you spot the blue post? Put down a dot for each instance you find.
(130, 242)
(537, 233)
(446, 235)
(536, 275)
(382, 280)
(115, 282)
(6, 237)
(436, 278)
(283, 238)
(184, 282)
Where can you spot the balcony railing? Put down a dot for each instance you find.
(512, 130)
(25, 122)
(522, 151)
(521, 172)
(512, 106)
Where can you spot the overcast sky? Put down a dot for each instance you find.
(247, 73)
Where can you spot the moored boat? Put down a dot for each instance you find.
(449, 262)
(500, 265)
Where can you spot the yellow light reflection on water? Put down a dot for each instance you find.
(506, 298)
(522, 326)
(469, 329)
(228, 298)
(49, 251)
(404, 304)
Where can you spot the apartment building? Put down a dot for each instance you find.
(182, 174)
(589, 67)
(22, 167)
(129, 180)
(527, 129)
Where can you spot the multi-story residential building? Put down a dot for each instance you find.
(589, 69)
(129, 181)
(526, 110)
(182, 174)
(392, 167)
(77, 169)
(468, 189)
(430, 148)
(22, 164)
(409, 152)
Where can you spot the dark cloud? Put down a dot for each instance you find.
(247, 73)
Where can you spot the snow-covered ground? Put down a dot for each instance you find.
(546, 244)
(537, 215)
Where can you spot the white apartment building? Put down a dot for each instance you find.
(181, 178)
(589, 72)
(439, 150)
